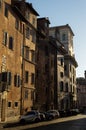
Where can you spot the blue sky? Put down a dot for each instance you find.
(72, 12)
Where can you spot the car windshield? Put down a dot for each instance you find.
(30, 113)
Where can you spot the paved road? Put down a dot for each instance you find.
(68, 123)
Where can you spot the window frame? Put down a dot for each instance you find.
(11, 41)
(5, 38)
(27, 32)
(6, 11)
(26, 76)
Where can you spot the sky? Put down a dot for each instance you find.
(72, 12)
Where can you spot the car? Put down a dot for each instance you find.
(52, 114)
(68, 112)
(42, 116)
(62, 113)
(75, 111)
(30, 116)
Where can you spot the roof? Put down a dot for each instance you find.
(44, 18)
(63, 26)
(18, 12)
(67, 25)
(31, 7)
(17, 3)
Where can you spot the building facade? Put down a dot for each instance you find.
(66, 74)
(46, 69)
(81, 93)
(17, 57)
(37, 63)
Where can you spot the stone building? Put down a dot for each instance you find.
(46, 68)
(66, 74)
(81, 92)
(17, 57)
(48, 50)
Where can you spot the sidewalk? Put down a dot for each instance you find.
(9, 123)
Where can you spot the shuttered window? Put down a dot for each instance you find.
(6, 77)
(27, 33)
(5, 38)
(26, 76)
(32, 78)
(6, 11)
(17, 80)
(11, 43)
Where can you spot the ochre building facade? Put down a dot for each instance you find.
(17, 58)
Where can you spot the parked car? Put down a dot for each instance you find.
(62, 113)
(30, 116)
(51, 114)
(42, 116)
(68, 112)
(75, 111)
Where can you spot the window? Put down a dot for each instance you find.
(46, 24)
(66, 87)
(70, 88)
(6, 77)
(32, 56)
(9, 78)
(32, 95)
(27, 53)
(26, 76)
(17, 24)
(9, 104)
(62, 61)
(61, 86)
(33, 22)
(11, 43)
(26, 94)
(6, 11)
(61, 74)
(5, 38)
(33, 36)
(62, 104)
(63, 37)
(17, 80)
(65, 68)
(27, 33)
(16, 104)
(21, 27)
(73, 79)
(32, 78)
